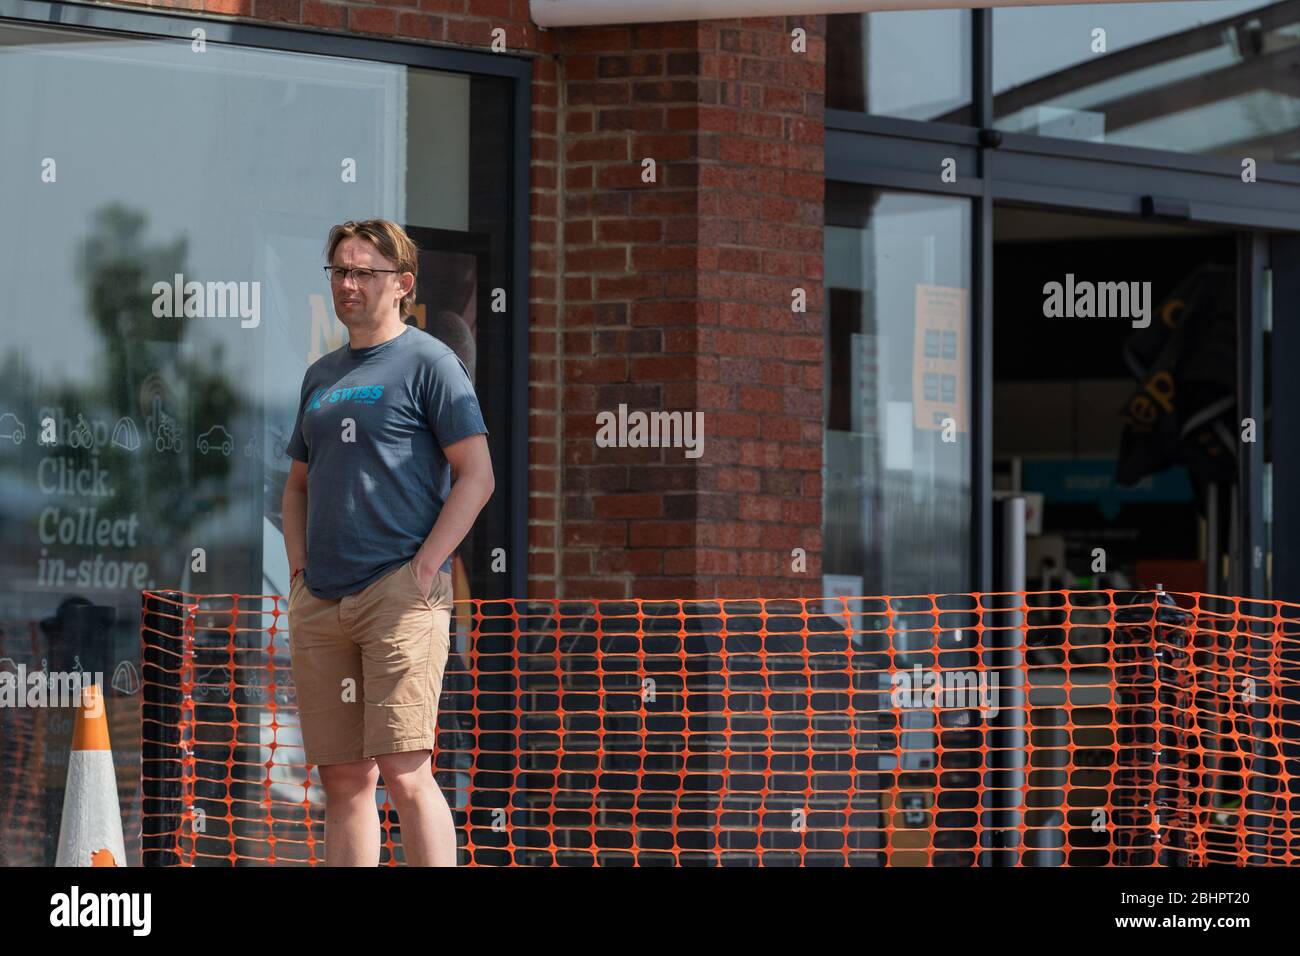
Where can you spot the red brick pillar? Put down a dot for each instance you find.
(676, 295)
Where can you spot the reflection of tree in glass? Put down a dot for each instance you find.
(118, 268)
(118, 271)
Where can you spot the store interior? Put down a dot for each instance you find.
(1120, 438)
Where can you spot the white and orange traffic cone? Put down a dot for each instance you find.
(91, 831)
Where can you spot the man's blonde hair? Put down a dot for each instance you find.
(393, 244)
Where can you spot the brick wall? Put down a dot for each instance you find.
(676, 295)
(673, 295)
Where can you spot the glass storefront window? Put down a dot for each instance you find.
(908, 64)
(1208, 76)
(898, 392)
(144, 444)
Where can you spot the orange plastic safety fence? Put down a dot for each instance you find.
(1059, 728)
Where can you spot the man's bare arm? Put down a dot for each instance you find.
(293, 515)
(472, 484)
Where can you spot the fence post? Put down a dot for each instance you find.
(162, 623)
(1008, 732)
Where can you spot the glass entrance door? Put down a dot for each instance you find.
(898, 392)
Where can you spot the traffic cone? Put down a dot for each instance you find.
(90, 833)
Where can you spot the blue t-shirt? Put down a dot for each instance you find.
(371, 426)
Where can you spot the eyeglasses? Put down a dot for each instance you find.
(338, 274)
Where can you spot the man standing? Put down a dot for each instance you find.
(371, 518)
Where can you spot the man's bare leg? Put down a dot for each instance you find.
(351, 819)
(428, 832)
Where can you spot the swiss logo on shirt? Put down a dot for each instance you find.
(363, 394)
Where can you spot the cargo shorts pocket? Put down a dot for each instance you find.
(439, 595)
(441, 598)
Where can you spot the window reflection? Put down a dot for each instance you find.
(897, 462)
(909, 64)
(1211, 76)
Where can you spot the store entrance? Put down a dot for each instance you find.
(1123, 439)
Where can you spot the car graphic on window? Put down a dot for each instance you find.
(216, 437)
(12, 428)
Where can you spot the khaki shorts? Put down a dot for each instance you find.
(368, 666)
